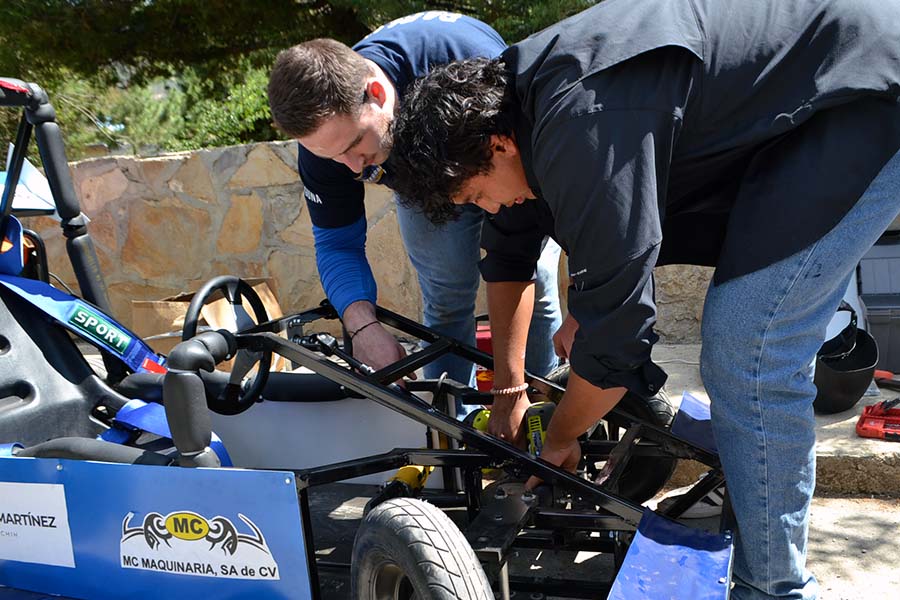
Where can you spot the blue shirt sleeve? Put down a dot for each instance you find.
(343, 268)
(334, 200)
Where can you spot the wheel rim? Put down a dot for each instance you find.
(390, 583)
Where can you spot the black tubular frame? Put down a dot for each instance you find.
(490, 534)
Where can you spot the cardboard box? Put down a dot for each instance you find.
(159, 322)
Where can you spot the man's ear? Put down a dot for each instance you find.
(504, 144)
(375, 90)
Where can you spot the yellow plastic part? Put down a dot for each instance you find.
(414, 476)
(480, 422)
(537, 417)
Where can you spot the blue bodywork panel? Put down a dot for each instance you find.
(668, 561)
(99, 530)
(692, 423)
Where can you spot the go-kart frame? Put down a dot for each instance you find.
(602, 509)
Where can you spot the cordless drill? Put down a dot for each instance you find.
(536, 419)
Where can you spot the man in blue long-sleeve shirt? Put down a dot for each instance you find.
(338, 103)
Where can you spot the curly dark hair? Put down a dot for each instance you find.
(442, 133)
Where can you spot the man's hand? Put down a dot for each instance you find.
(565, 336)
(582, 405)
(565, 454)
(373, 345)
(510, 306)
(507, 413)
(376, 347)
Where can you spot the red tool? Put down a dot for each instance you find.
(887, 379)
(880, 421)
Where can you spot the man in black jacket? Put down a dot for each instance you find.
(761, 138)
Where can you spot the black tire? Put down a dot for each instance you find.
(645, 475)
(408, 549)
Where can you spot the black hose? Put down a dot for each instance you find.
(91, 449)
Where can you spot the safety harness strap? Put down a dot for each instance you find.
(151, 417)
(7, 450)
(87, 322)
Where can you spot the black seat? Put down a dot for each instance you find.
(51, 401)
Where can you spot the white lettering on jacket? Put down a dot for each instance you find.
(311, 196)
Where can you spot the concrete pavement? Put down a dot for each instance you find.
(846, 463)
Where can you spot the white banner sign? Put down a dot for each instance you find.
(34, 524)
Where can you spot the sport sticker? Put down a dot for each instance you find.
(100, 328)
(188, 544)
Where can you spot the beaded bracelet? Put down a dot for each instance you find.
(352, 334)
(510, 390)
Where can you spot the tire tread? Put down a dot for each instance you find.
(439, 547)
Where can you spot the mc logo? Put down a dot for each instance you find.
(185, 543)
(187, 526)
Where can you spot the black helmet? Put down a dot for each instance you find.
(845, 366)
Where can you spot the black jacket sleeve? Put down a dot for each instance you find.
(603, 175)
(512, 241)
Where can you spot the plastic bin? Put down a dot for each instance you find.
(884, 325)
(879, 287)
(879, 268)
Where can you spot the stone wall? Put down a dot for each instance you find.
(167, 224)
(680, 290)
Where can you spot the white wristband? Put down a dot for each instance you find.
(510, 390)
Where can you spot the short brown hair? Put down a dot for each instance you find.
(313, 81)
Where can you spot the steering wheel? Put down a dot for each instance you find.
(243, 389)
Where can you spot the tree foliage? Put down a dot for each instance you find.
(153, 37)
(151, 75)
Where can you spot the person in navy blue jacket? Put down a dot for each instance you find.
(338, 103)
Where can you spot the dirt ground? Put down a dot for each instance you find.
(852, 546)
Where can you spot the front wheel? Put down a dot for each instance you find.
(407, 549)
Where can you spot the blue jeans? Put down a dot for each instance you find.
(446, 261)
(760, 333)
